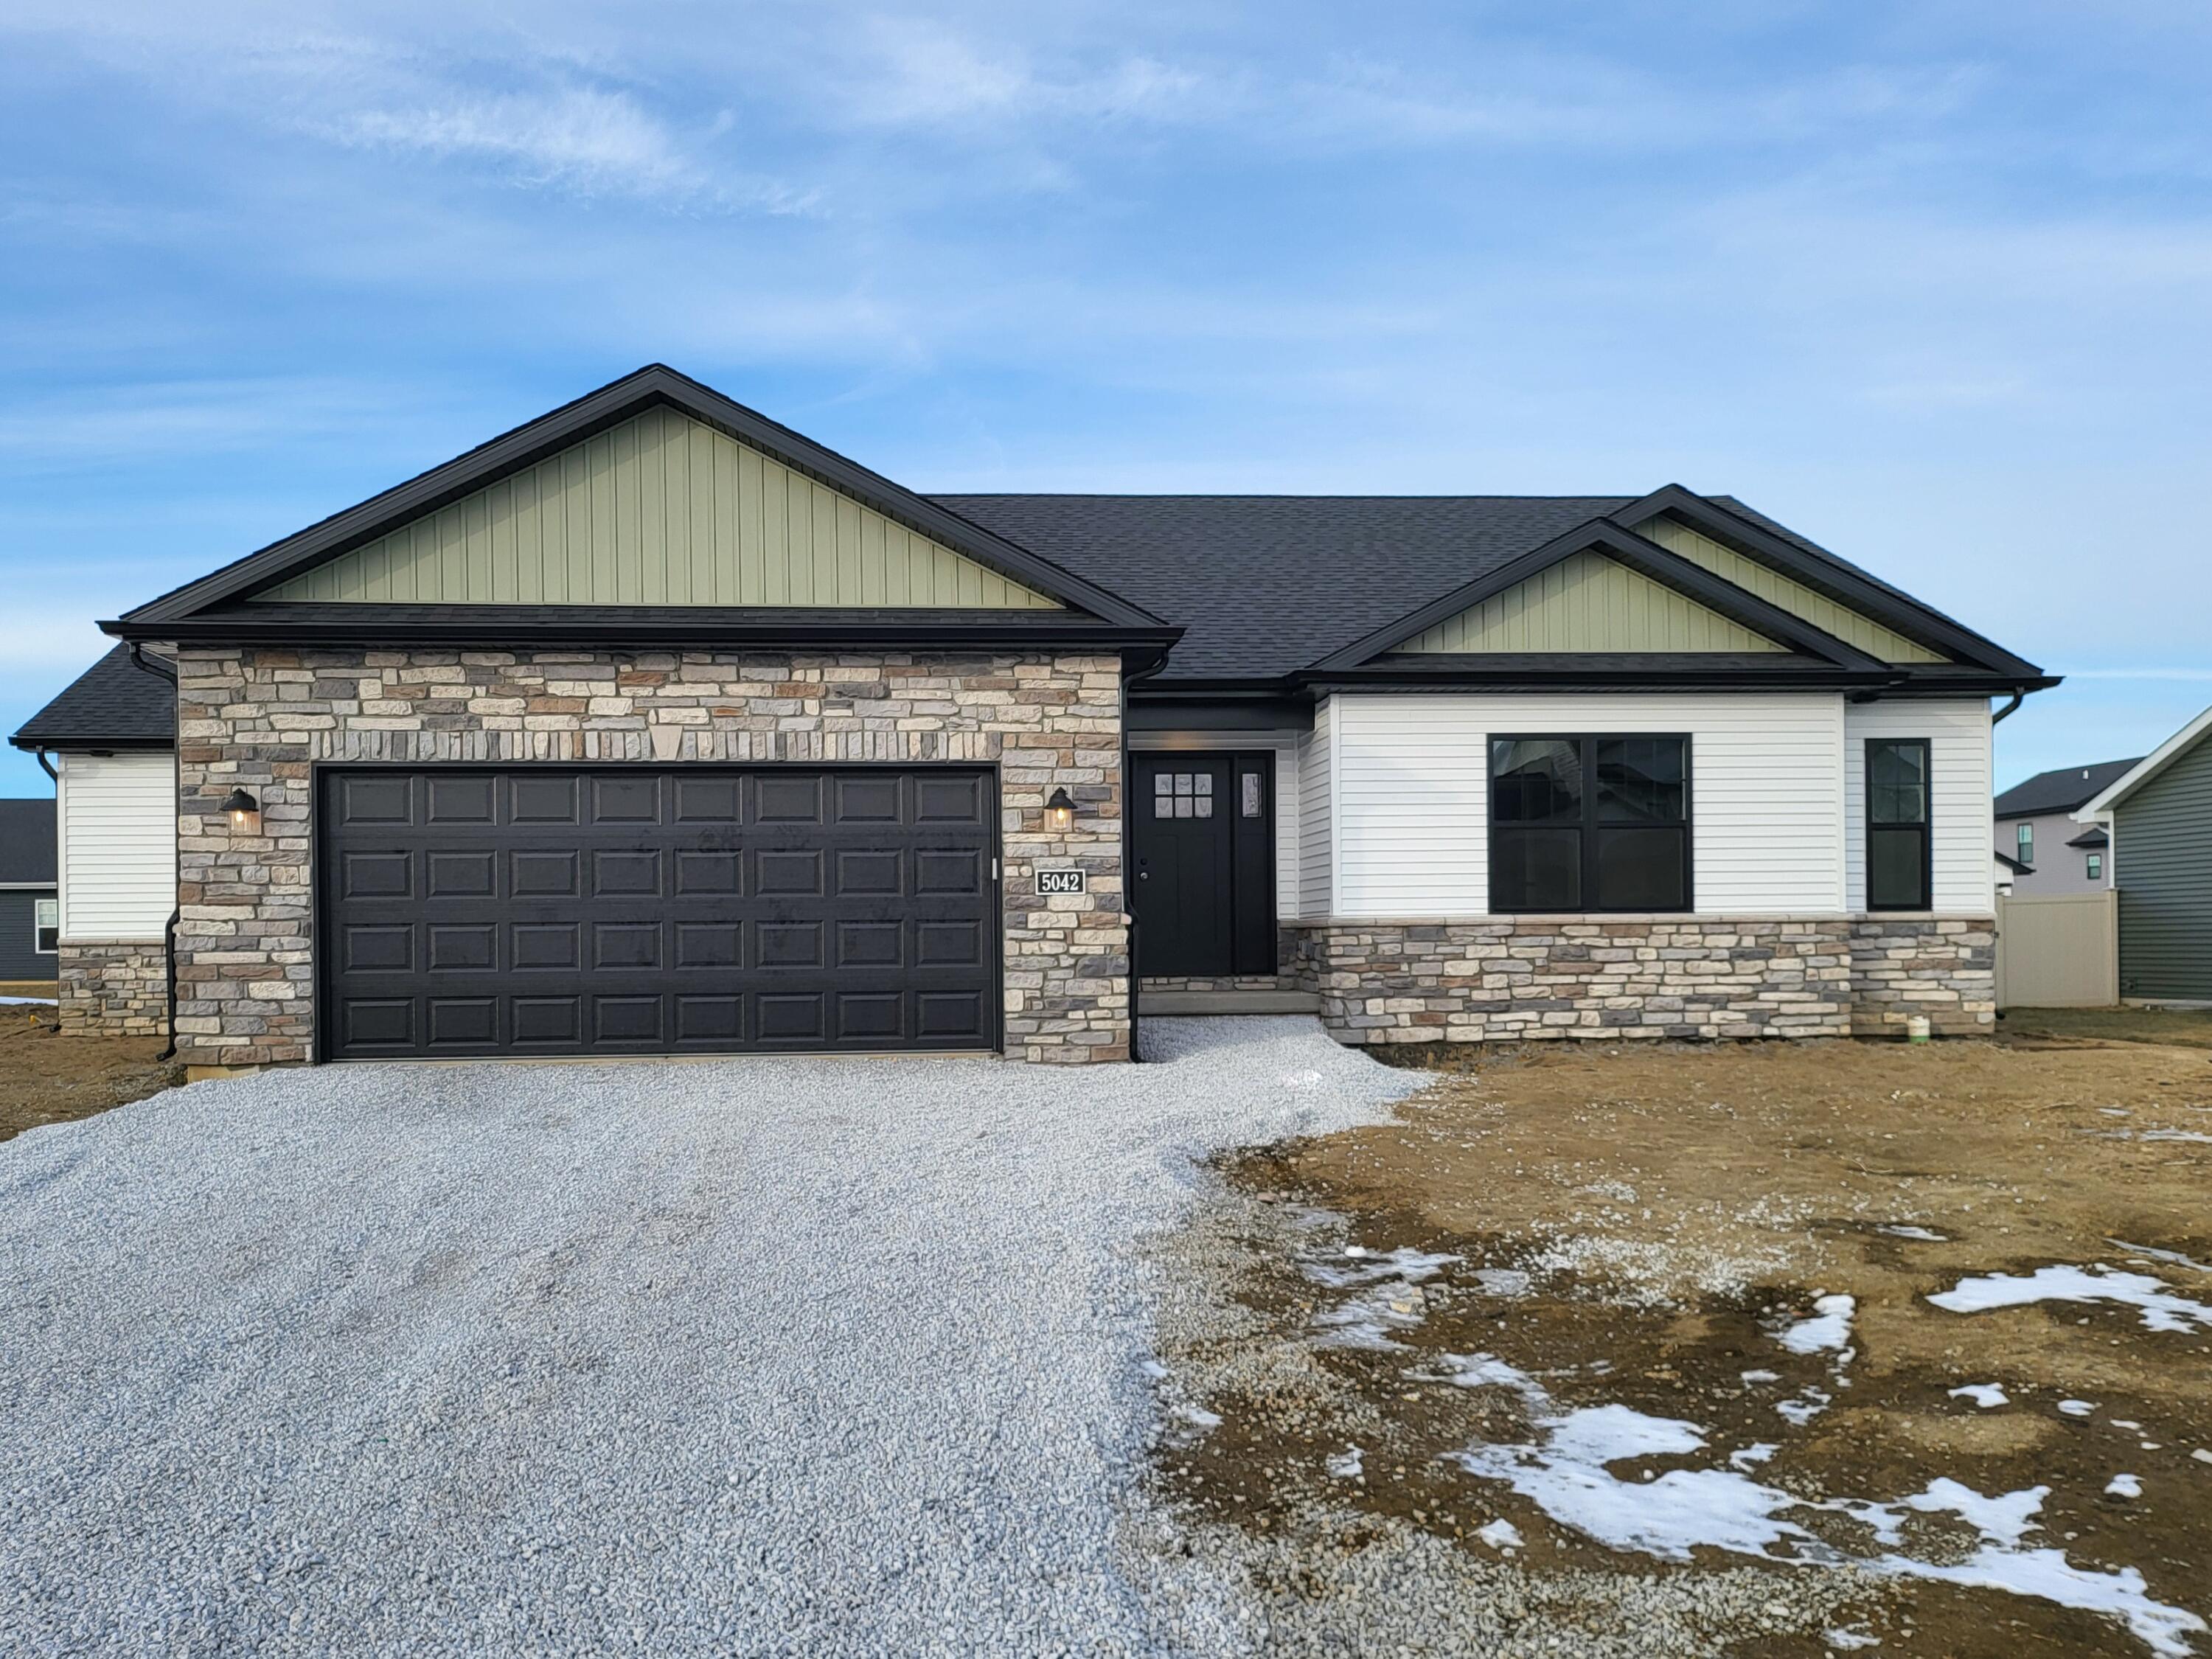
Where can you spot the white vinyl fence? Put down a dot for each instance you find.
(2062, 951)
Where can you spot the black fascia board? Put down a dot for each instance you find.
(79, 743)
(1679, 671)
(695, 626)
(1604, 536)
(1829, 574)
(532, 441)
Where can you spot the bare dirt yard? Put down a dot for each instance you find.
(1814, 1347)
(47, 1078)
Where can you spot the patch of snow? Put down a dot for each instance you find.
(1197, 1416)
(2127, 1423)
(2077, 1407)
(2123, 1485)
(1500, 1534)
(1405, 1264)
(44, 1001)
(1829, 1329)
(1844, 1639)
(2162, 1310)
(1485, 1370)
(2116, 1111)
(2157, 1255)
(1502, 1281)
(1566, 1474)
(1761, 1377)
(2196, 1135)
(1807, 1407)
(1348, 1465)
(2202, 1455)
(1925, 1235)
(1987, 1395)
(1752, 1456)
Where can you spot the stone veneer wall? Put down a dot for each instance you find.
(1944, 968)
(115, 987)
(1662, 976)
(263, 718)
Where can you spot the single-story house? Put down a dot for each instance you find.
(2034, 824)
(30, 896)
(652, 726)
(2159, 816)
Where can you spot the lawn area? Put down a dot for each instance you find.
(1587, 1315)
(2188, 1027)
(47, 1078)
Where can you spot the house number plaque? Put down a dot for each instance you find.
(1061, 881)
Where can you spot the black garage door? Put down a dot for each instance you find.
(628, 909)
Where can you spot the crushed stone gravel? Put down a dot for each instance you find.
(808, 1357)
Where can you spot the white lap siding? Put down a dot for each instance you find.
(118, 820)
(1316, 888)
(1411, 823)
(1958, 733)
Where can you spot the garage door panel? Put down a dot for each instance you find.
(481, 910)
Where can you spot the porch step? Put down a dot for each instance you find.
(1226, 1002)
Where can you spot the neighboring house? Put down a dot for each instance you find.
(2159, 816)
(2035, 827)
(30, 906)
(110, 740)
(652, 726)
(2008, 873)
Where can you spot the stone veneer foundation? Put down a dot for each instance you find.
(263, 719)
(1655, 977)
(115, 987)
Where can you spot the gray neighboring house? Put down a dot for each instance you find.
(2159, 817)
(30, 900)
(2049, 852)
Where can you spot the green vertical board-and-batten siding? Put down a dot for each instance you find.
(2162, 861)
(658, 510)
(1781, 591)
(1587, 602)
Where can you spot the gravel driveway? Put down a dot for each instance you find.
(808, 1357)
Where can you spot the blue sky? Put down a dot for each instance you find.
(1930, 282)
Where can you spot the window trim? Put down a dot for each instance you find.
(2096, 863)
(39, 928)
(1689, 905)
(2023, 841)
(1927, 826)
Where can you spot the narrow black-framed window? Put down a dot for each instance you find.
(1898, 871)
(1586, 823)
(45, 926)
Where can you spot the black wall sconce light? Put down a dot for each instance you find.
(245, 811)
(1060, 811)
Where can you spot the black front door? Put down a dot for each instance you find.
(1205, 845)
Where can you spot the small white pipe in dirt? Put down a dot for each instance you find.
(1915, 1028)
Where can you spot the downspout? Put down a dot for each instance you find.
(169, 672)
(2018, 697)
(45, 765)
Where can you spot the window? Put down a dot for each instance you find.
(1183, 794)
(46, 925)
(1897, 823)
(2096, 866)
(1589, 824)
(2024, 835)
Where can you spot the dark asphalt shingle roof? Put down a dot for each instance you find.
(27, 840)
(112, 701)
(2063, 789)
(1266, 584)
